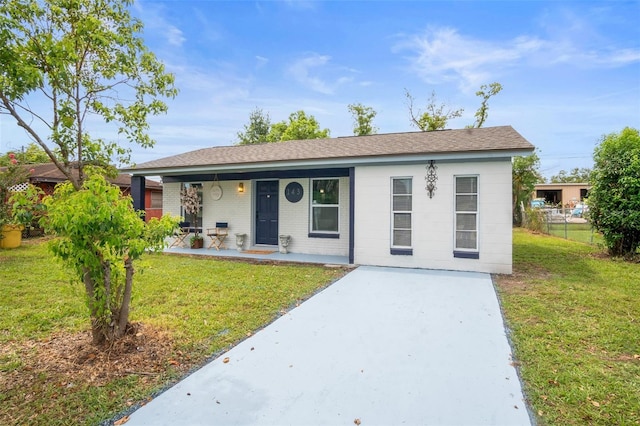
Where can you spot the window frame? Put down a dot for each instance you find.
(394, 248)
(200, 214)
(318, 233)
(155, 200)
(465, 252)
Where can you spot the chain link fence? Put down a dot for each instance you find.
(569, 223)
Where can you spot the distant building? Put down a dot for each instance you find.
(46, 176)
(562, 194)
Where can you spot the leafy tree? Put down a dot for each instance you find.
(298, 127)
(100, 236)
(485, 92)
(362, 119)
(257, 130)
(614, 199)
(434, 118)
(576, 175)
(525, 175)
(33, 154)
(64, 61)
(81, 58)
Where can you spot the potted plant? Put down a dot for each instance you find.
(191, 204)
(11, 178)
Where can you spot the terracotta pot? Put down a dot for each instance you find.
(197, 243)
(11, 236)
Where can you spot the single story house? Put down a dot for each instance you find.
(562, 194)
(438, 200)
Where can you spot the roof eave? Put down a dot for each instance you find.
(331, 162)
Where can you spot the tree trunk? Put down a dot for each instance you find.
(97, 334)
(126, 297)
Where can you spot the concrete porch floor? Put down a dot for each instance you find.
(275, 256)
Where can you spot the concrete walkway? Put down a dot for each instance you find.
(382, 346)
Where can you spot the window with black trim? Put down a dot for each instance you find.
(325, 205)
(466, 205)
(401, 208)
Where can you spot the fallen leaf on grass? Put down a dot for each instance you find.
(595, 403)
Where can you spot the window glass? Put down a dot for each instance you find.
(326, 191)
(466, 218)
(325, 205)
(466, 203)
(156, 200)
(401, 205)
(466, 184)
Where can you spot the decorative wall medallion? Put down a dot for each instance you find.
(216, 192)
(431, 178)
(293, 192)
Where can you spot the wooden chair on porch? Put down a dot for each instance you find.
(218, 235)
(180, 234)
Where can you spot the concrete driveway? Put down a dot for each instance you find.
(382, 346)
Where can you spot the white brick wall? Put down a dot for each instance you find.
(294, 221)
(433, 224)
(433, 219)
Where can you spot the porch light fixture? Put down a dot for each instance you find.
(431, 178)
(241, 187)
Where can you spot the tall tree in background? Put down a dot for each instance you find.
(485, 92)
(576, 175)
(614, 198)
(362, 119)
(299, 126)
(434, 118)
(64, 61)
(525, 175)
(257, 130)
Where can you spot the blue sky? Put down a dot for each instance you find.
(570, 70)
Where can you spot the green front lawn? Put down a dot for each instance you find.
(575, 321)
(190, 308)
(574, 316)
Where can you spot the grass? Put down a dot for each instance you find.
(582, 232)
(574, 317)
(575, 321)
(203, 306)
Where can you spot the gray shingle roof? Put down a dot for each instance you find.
(503, 138)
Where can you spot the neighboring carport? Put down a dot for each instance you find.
(381, 346)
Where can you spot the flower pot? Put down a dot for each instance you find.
(11, 236)
(285, 240)
(197, 243)
(240, 241)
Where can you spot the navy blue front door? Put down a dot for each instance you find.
(267, 212)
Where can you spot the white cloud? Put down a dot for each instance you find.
(153, 16)
(307, 70)
(261, 61)
(442, 54)
(175, 36)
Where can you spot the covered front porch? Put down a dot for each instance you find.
(262, 254)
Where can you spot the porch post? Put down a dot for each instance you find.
(137, 191)
(352, 209)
